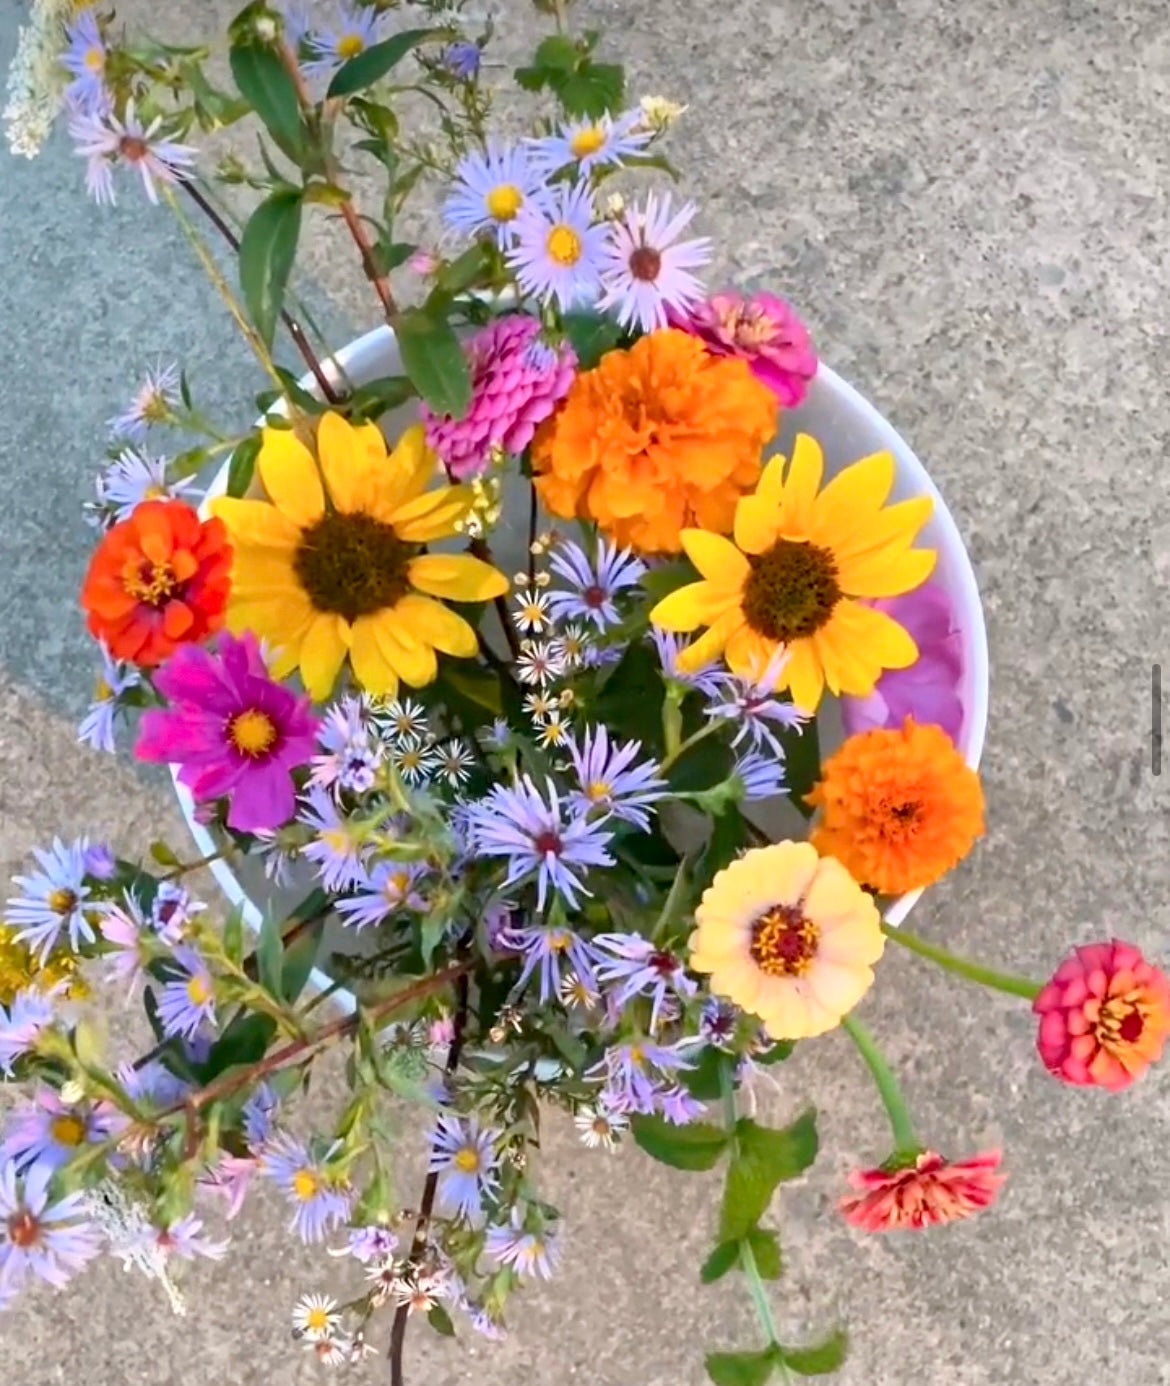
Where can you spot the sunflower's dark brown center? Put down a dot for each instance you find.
(645, 263)
(352, 565)
(791, 590)
(784, 942)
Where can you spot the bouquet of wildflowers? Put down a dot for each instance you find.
(502, 663)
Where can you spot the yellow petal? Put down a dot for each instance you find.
(785, 1012)
(791, 486)
(749, 652)
(370, 437)
(803, 675)
(274, 617)
(894, 525)
(432, 515)
(322, 654)
(852, 499)
(757, 524)
(741, 982)
(414, 663)
(290, 476)
(833, 894)
(427, 619)
(716, 558)
(710, 645)
(456, 577)
(344, 463)
(696, 604)
(888, 573)
(838, 986)
(263, 572)
(255, 522)
(878, 638)
(370, 666)
(409, 469)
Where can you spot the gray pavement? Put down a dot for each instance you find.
(969, 203)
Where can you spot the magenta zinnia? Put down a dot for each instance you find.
(516, 383)
(234, 731)
(761, 330)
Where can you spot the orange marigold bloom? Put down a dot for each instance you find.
(158, 580)
(927, 1192)
(899, 807)
(656, 439)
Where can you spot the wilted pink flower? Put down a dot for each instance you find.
(929, 690)
(516, 383)
(765, 332)
(927, 1193)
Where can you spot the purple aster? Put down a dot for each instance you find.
(105, 141)
(85, 61)
(47, 1131)
(538, 835)
(591, 144)
(593, 584)
(52, 1241)
(358, 27)
(184, 1239)
(21, 1025)
(257, 1118)
(550, 948)
(230, 1178)
(387, 888)
(172, 912)
(100, 862)
(337, 850)
(709, 680)
(155, 402)
(637, 1073)
(318, 1203)
(128, 936)
(678, 1107)
(749, 704)
(497, 736)
(641, 968)
(133, 477)
(492, 190)
(53, 899)
(610, 780)
(487, 1325)
(527, 1253)
(152, 1084)
(366, 1244)
(559, 251)
(235, 731)
(351, 757)
(115, 680)
(463, 1156)
(717, 1023)
(187, 1002)
(761, 775)
(461, 59)
(647, 268)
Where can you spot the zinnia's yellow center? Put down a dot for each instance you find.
(148, 582)
(198, 992)
(305, 1185)
(1120, 1023)
(350, 46)
(784, 942)
(252, 733)
(503, 202)
(466, 1160)
(67, 1130)
(351, 565)
(587, 141)
(61, 901)
(563, 245)
(791, 590)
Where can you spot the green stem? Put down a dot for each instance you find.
(679, 751)
(905, 1141)
(973, 972)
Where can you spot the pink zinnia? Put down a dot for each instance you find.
(516, 383)
(926, 1193)
(764, 331)
(234, 731)
(929, 690)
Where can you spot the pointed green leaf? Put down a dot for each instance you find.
(740, 1368)
(268, 249)
(440, 1321)
(233, 936)
(299, 960)
(693, 1147)
(780, 1051)
(593, 90)
(591, 335)
(267, 86)
(701, 1080)
(269, 954)
(245, 1041)
(558, 52)
(243, 465)
(163, 854)
(820, 1359)
(725, 1257)
(765, 1248)
(434, 361)
(761, 1159)
(372, 65)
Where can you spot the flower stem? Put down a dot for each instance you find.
(680, 750)
(986, 976)
(905, 1141)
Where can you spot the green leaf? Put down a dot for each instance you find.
(761, 1159)
(665, 578)
(270, 954)
(433, 927)
(440, 1321)
(631, 702)
(820, 1359)
(163, 854)
(740, 1368)
(378, 397)
(474, 692)
(802, 762)
(729, 837)
(266, 85)
(693, 1147)
(765, 1245)
(457, 276)
(593, 90)
(243, 465)
(702, 1079)
(558, 52)
(299, 960)
(233, 936)
(725, 1257)
(434, 361)
(780, 1051)
(268, 249)
(591, 335)
(245, 1041)
(372, 65)
(705, 765)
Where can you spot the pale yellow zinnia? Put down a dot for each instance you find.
(332, 565)
(790, 936)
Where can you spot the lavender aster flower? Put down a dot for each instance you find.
(709, 680)
(230, 1178)
(47, 1131)
(528, 1253)
(637, 1073)
(85, 60)
(351, 757)
(611, 781)
(762, 776)
(337, 851)
(53, 899)
(386, 889)
(51, 1241)
(187, 1002)
(154, 402)
(184, 1239)
(461, 59)
(152, 1085)
(594, 583)
(591, 144)
(21, 1025)
(717, 1022)
(115, 680)
(366, 1244)
(538, 835)
(317, 1201)
(105, 141)
(550, 949)
(492, 190)
(647, 268)
(133, 477)
(257, 1117)
(358, 27)
(559, 251)
(641, 968)
(749, 704)
(678, 1107)
(464, 1157)
(172, 912)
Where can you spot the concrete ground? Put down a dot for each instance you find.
(970, 205)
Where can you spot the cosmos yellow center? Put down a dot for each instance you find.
(252, 733)
(563, 245)
(350, 46)
(198, 992)
(784, 942)
(67, 1130)
(151, 583)
(504, 202)
(587, 141)
(466, 1160)
(352, 565)
(305, 1185)
(791, 590)
(61, 901)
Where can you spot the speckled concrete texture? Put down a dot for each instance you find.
(969, 203)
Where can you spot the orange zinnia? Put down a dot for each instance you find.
(158, 580)
(657, 439)
(899, 807)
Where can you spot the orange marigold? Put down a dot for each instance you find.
(656, 439)
(899, 807)
(158, 580)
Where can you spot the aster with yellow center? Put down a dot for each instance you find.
(801, 559)
(332, 566)
(788, 935)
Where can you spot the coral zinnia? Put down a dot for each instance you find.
(157, 581)
(926, 1193)
(899, 808)
(788, 935)
(1104, 1016)
(654, 439)
(319, 580)
(798, 561)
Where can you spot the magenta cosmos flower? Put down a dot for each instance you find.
(929, 690)
(234, 731)
(764, 331)
(516, 383)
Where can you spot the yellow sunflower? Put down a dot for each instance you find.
(789, 936)
(800, 559)
(332, 565)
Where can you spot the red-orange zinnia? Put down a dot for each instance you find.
(158, 580)
(1104, 1016)
(927, 1193)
